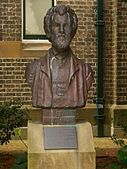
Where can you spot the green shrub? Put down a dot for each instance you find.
(114, 166)
(122, 155)
(122, 152)
(21, 162)
(12, 116)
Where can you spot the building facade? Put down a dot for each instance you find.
(16, 53)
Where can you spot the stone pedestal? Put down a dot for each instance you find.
(81, 158)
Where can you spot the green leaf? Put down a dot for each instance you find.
(122, 155)
(12, 117)
(17, 131)
(114, 166)
(21, 162)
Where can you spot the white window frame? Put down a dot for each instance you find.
(33, 40)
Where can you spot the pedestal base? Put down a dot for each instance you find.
(82, 158)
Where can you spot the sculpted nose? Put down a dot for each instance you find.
(62, 28)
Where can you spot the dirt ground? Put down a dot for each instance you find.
(105, 152)
(101, 144)
(9, 152)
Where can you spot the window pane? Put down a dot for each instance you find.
(34, 13)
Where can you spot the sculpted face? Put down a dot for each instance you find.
(61, 32)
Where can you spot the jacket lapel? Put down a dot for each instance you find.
(74, 67)
(45, 65)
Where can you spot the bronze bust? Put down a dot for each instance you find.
(59, 79)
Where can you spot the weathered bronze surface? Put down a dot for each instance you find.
(60, 138)
(59, 79)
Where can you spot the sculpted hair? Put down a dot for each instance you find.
(61, 10)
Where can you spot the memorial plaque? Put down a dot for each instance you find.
(64, 137)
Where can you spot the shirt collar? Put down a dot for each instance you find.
(55, 54)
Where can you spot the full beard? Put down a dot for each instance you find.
(61, 41)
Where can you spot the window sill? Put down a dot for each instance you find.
(36, 45)
(35, 48)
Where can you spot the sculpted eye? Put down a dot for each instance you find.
(56, 24)
(65, 24)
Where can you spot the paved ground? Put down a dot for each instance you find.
(15, 146)
(103, 146)
(105, 152)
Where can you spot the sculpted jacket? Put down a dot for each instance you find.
(38, 76)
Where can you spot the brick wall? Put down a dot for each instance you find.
(115, 79)
(84, 45)
(110, 51)
(122, 53)
(10, 20)
(12, 81)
